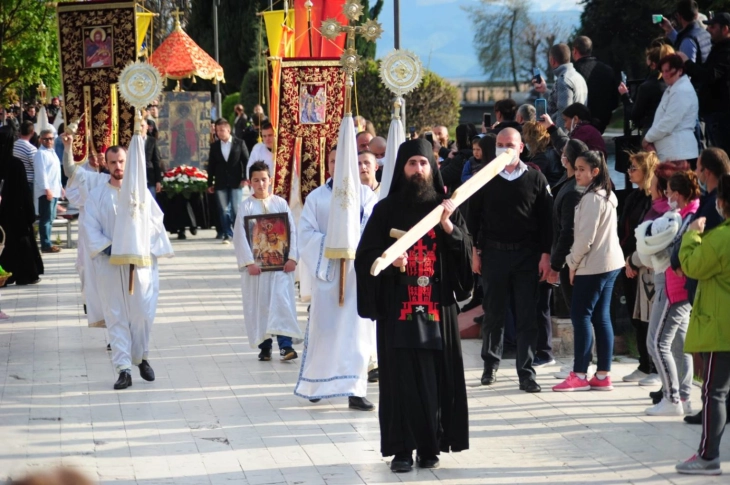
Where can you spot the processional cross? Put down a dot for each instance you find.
(350, 60)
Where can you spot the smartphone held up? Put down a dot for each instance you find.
(540, 108)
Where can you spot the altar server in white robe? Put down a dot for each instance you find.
(337, 343)
(129, 317)
(82, 179)
(269, 307)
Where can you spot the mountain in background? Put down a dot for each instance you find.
(442, 34)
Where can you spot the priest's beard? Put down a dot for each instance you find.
(420, 190)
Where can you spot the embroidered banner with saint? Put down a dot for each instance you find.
(96, 40)
(311, 107)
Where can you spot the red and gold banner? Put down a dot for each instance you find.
(96, 40)
(321, 11)
(311, 107)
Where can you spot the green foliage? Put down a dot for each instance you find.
(250, 89)
(28, 47)
(229, 102)
(434, 101)
(238, 37)
(364, 48)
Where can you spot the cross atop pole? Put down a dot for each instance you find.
(350, 59)
(176, 13)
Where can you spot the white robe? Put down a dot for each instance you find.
(338, 342)
(269, 306)
(128, 317)
(82, 181)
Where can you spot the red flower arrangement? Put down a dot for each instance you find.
(184, 180)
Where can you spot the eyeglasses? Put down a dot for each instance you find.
(632, 169)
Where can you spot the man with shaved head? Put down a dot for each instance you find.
(377, 146)
(510, 220)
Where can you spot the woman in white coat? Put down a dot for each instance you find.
(672, 135)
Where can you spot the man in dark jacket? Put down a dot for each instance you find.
(226, 173)
(600, 79)
(712, 81)
(692, 39)
(152, 160)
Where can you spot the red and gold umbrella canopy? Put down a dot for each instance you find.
(179, 57)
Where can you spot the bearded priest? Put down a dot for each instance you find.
(423, 403)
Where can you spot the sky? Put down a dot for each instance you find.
(441, 33)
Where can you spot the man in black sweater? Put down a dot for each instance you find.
(510, 220)
(226, 173)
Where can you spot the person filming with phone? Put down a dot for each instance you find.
(570, 87)
(692, 39)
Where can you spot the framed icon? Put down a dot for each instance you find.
(269, 239)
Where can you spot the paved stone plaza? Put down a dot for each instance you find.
(216, 415)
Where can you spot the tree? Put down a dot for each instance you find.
(238, 36)
(28, 47)
(252, 87)
(433, 102)
(364, 48)
(498, 25)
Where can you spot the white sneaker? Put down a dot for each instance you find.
(651, 380)
(687, 407)
(665, 408)
(635, 376)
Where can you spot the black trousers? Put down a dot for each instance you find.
(544, 348)
(505, 272)
(641, 329)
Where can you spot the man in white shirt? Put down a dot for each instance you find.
(262, 151)
(47, 168)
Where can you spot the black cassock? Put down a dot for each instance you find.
(17, 214)
(423, 403)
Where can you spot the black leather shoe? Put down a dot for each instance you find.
(314, 400)
(694, 419)
(529, 385)
(427, 462)
(108, 347)
(146, 372)
(473, 303)
(124, 381)
(402, 462)
(489, 377)
(194, 231)
(265, 355)
(373, 375)
(360, 403)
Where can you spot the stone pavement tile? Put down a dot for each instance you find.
(217, 415)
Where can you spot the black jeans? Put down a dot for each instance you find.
(544, 322)
(505, 272)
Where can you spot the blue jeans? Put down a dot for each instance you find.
(46, 214)
(228, 202)
(592, 305)
(282, 340)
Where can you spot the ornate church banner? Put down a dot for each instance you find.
(96, 41)
(311, 107)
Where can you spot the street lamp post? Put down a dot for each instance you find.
(218, 107)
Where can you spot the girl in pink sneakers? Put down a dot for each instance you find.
(595, 260)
